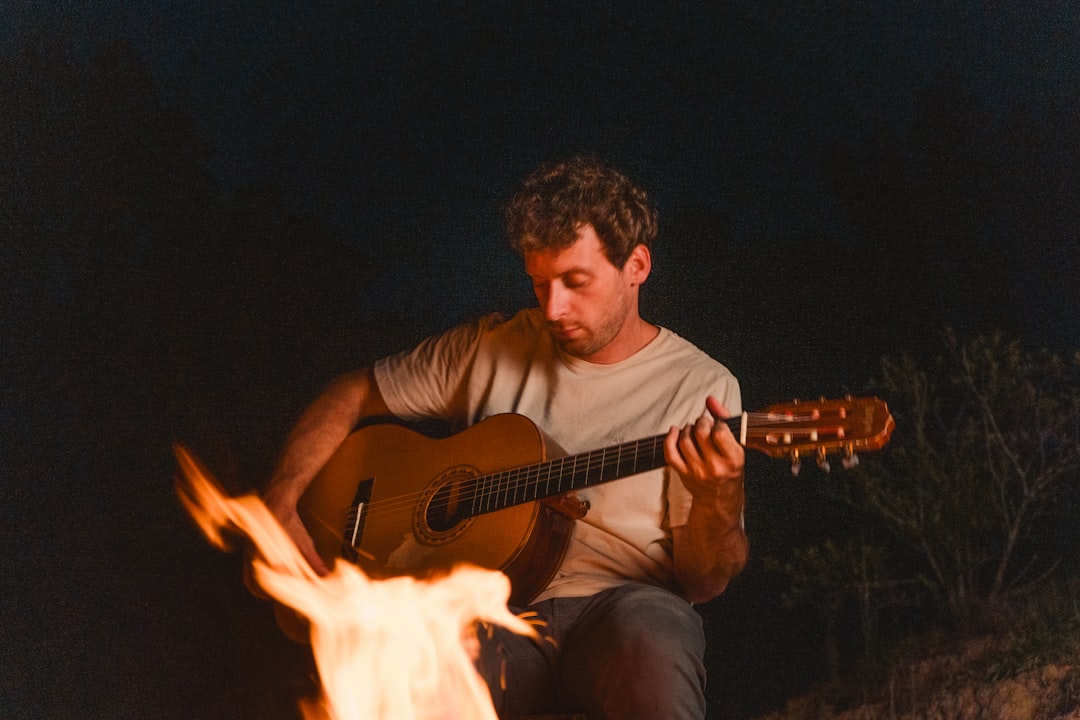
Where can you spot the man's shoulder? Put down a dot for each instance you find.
(676, 346)
(524, 324)
(494, 335)
(529, 318)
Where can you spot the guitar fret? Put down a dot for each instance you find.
(492, 489)
(527, 484)
(500, 497)
(479, 493)
(496, 488)
(489, 489)
(524, 483)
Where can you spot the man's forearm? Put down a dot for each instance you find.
(709, 551)
(319, 431)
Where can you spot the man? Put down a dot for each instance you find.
(622, 639)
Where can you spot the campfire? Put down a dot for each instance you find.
(395, 649)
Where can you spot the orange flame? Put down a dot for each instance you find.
(394, 649)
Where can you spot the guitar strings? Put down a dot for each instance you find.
(507, 484)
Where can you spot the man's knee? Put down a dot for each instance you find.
(517, 672)
(653, 620)
(642, 631)
(641, 656)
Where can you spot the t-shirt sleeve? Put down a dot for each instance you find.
(726, 389)
(427, 381)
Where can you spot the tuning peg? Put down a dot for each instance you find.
(796, 464)
(823, 461)
(850, 459)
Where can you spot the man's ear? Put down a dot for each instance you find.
(638, 265)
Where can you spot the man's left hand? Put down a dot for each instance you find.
(708, 457)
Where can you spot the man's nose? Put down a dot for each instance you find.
(554, 302)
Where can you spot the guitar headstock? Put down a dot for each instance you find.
(791, 430)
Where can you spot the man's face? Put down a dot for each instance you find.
(585, 298)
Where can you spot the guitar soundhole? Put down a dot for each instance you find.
(449, 506)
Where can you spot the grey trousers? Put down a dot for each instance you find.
(627, 653)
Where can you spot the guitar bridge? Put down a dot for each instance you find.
(355, 519)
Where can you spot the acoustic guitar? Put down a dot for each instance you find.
(397, 502)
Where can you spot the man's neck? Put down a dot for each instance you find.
(635, 335)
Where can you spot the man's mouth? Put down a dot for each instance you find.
(563, 332)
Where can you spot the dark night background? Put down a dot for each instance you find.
(207, 211)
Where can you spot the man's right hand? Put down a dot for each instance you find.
(294, 526)
(285, 512)
(286, 515)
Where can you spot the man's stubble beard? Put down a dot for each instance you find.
(596, 340)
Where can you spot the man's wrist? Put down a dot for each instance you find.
(280, 495)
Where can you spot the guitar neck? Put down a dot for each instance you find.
(529, 483)
(782, 430)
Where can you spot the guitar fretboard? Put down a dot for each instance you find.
(541, 480)
(554, 477)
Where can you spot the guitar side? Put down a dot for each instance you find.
(399, 472)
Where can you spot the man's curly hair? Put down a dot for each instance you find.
(558, 198)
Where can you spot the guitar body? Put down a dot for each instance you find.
(409, 489)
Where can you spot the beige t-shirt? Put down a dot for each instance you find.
(496, 366)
